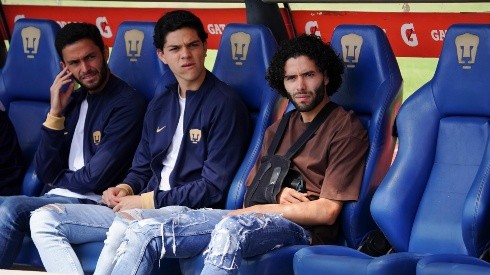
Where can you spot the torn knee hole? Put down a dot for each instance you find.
(127, 216)
(60, 208)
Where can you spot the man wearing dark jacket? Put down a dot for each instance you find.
(193, 140)
(88, 139)
(11, 167)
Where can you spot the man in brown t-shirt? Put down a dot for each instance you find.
(306, 71)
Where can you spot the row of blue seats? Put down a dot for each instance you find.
(372, 88)
(375, 95)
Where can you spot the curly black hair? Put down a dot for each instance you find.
(314, 48)
(176, 20)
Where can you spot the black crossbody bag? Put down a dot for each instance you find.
(275, 171)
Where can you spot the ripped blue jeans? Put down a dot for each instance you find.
(138, 238)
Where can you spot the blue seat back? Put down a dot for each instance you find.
(372, 88)
(31, 65)
(243, 56)
(435, 198)
(134, 59)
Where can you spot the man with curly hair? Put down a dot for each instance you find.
(307, 71)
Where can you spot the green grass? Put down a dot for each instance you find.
(415, 72)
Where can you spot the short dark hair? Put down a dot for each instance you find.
(314, 48)
(176, 20)
(73, 32)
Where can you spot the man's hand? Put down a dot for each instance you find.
(289, 195)
(59, 99)
(128, 202)
(112, 196)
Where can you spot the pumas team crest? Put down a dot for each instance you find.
(195, 135)
(97, 135)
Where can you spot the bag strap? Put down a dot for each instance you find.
(310, 130)
(279, 133)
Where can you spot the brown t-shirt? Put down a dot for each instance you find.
(332, 161)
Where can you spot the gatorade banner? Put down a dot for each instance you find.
(108, 19)
(411, 34)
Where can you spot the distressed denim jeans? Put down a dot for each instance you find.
(139, 238)
(55, 227)
(15, 212)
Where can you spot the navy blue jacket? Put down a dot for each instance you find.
(216, 134)
(11, 165)
(112, 131)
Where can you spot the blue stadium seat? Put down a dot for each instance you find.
(450, 264)
(31, 65)
(134, 59)
(435, 197)
(243, 57)
(375, 95)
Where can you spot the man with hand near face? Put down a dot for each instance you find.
(87, 140)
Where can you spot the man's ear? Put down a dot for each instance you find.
(106, 53)
(325, 79)
(62, 64)
(161, 56)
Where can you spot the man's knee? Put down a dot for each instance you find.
(241, 224)
(15, 210)
(227, 235)
(129, 215)
(46, 217)
(235, 231)
(13, 203)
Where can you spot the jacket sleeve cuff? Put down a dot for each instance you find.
(54, 123)
(147, 200)
(127, 188)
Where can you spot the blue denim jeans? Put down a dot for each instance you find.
(139, 238)
(55, 227)
(15, 212)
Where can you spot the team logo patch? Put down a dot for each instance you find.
(466, 49)
(134, 42)
(195, 135)
(240, 42)
(97, 135)
(30, 40)
(351, 49)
